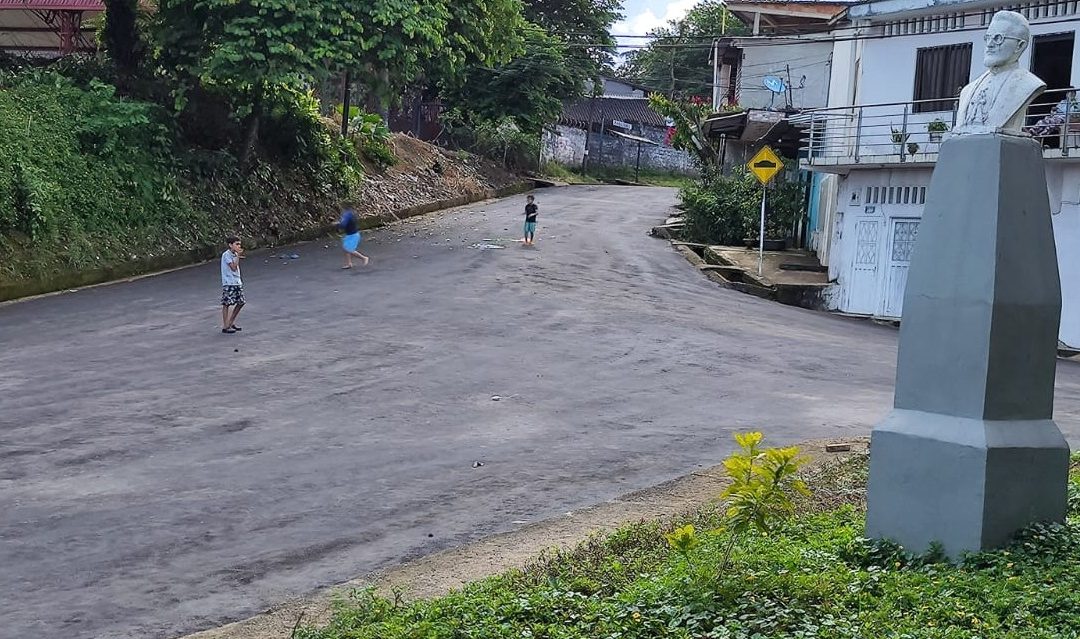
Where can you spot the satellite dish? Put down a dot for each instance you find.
(774, 84)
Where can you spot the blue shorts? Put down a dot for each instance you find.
(530, 228)
(351, 242)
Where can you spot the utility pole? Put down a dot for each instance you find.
(716, 75)
(790, 100)
(345, 105)
(671, 93)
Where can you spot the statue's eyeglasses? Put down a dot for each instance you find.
(998, 38)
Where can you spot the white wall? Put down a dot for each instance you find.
(888, 64)
(565, 146)
(845, 56)
(860, 291)
(810, 59)
(1063, 181)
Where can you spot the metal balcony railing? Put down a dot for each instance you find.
(912, 132)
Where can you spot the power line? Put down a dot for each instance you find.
(787, 61)
(780, 40)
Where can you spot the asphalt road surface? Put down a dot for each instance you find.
(158, 477)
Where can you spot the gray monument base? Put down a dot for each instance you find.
(968, 484)
(970, 455)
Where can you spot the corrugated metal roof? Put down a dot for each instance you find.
(53, 5)
(632, 110)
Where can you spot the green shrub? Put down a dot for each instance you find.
(719, 210)
(372, 138)
(83, 173)
(501, 140)
(90, 179)
(293, 129)
(726, 209)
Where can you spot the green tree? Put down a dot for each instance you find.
(584, 25)
(530, 88)
(249, 46)
(689, 118)
(676, 61)
(401, 41)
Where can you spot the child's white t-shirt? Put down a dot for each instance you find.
(230, 277)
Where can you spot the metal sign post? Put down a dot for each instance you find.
(761, 237)
(764, 165)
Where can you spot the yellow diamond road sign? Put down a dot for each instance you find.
(765, 165)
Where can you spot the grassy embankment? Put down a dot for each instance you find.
(813, 576)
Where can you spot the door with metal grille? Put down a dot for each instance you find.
(863, 293)
(902, 236)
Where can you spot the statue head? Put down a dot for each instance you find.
(1006, 39)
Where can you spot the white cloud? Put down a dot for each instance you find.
(643, 22)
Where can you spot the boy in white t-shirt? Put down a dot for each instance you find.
(232, 287)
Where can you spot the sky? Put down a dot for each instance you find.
(643, 15)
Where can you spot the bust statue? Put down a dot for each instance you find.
(996, 102)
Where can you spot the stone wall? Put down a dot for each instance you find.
(567, 147)
(621, 152)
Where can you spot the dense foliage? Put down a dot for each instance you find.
(82, 171)
(530, 88)
(565, 44)
(89, 179)
(585, 27)
(810, 577)
(726, 209)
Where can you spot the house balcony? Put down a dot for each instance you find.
(909, 134)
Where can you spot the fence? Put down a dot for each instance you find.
(900, 132)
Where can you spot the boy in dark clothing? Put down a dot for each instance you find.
(530, 221)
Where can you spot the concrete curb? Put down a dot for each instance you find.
(716, 268)
(148, 267)
(441, 572)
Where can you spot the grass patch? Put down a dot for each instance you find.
(564, 174)
(813, 576)
(647, 177)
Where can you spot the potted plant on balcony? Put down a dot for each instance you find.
(912, 148)
(936, 129)
(899, 138)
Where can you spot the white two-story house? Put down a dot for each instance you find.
(899, 67)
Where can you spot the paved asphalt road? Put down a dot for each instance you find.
(154, 481)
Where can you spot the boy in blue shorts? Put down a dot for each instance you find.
(351, 226)
(530, 220)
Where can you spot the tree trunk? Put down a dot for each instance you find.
(121, 36)
(251, 137)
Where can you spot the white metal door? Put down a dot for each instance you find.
(902, 236)
(863, 293)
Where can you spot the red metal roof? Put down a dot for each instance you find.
(53, 5)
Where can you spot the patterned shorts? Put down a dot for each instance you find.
(232, 295)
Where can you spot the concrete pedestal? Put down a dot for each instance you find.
(970, 454)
